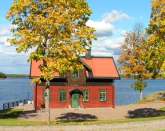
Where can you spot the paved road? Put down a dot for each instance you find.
(155, 125)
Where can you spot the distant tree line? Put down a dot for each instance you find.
(2, 75)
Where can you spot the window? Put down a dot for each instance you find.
(103, 95)
(62, 95)
(75, 75)
(85, 95)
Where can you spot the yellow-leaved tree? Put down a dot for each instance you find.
(55, 31)
(133, 58)
(156, 39)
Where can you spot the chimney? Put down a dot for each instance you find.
(88, 54)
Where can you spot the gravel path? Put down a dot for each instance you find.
(155, 125)
(119, 112)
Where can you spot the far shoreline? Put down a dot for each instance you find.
(17, 75)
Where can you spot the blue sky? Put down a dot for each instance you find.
(110, 18)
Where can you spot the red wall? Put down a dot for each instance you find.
(54, 97)
(93, 97)
(38, 97)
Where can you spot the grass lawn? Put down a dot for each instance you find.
(18, 122)
(10, 113)
(9, 118)
(162, 109)
(93, 122)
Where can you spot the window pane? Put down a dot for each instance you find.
(85, 95)
(75, 75)
(103, 95)
(62, 95)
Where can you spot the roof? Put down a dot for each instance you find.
(102, 67)
(35, 71)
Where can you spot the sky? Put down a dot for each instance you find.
(111, 19)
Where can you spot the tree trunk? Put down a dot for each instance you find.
(141, 95)
(49, 105)
(47, 100)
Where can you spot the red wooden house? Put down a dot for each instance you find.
(90, 88)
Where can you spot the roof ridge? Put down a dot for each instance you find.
(97, 57)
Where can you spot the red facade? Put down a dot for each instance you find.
(93, 97)
(81, 92)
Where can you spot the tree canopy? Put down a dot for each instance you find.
(133, 58)
(156, 39)
(143, 56)
(150, 54)
(55, 31)
(133, 54)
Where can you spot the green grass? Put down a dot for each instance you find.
(162, 109)
(10, 113)
(9, 118)
(93, 122)
(18, 122)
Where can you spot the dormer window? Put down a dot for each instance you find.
(75, 75)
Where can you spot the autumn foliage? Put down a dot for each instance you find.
(143, 52)
(55, 32)
(156, 39)
(133, 55)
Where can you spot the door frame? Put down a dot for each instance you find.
(76, 91)
(77, 100)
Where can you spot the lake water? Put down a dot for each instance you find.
(15, 89)
(12, 90)
(127, 95)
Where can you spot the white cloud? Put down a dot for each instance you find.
(114, 16)
(4, 34)
(109, 37)
(7, 50)
(102, 28)
(13, 64)
(105, 26)
(11, 61)
(107, 46)
(3, 40)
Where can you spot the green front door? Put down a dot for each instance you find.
(75, 100)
